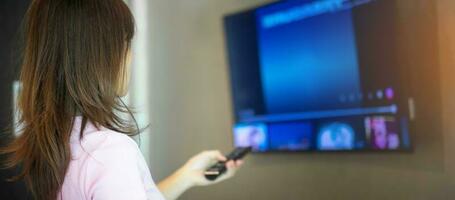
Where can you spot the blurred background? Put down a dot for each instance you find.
(181, 87)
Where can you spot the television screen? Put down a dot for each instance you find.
(317, 76)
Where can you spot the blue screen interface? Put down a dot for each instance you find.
(316, 76)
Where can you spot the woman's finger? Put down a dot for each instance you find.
(230, 173)
(238, 163)
(219, 156)
(230, 164)
(216, 155)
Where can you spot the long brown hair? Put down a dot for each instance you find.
(73, 63)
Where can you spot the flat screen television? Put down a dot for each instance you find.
(317, 76)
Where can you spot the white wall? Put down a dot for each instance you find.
(138, 97)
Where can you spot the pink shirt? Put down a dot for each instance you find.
(106, 165)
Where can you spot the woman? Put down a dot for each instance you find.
(73, 144)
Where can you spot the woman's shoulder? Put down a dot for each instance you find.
(104, 145)
(111, 146)
(107, 160)
(110, 139)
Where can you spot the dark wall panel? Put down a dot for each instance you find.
(11, 15)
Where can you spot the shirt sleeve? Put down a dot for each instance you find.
(120, 174)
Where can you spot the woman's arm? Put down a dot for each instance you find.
(192, 174)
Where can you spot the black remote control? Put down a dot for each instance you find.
(220, 167)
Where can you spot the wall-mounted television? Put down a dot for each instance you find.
(317, 75)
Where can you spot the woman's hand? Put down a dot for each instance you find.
(192, 174)
(194, 169)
